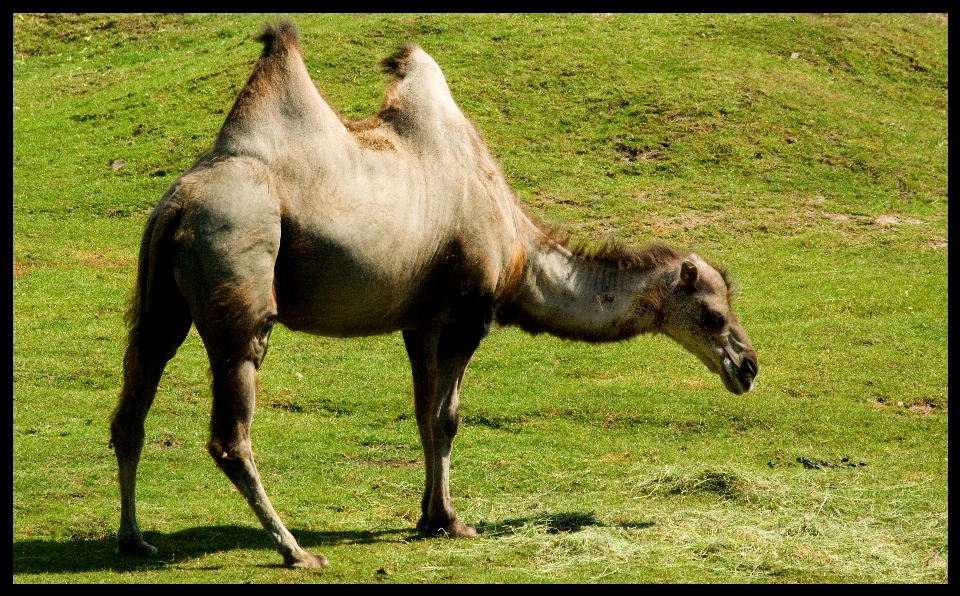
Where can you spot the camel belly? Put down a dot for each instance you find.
(377, 266)
(336, 299)
(327, 288)
(324, 288)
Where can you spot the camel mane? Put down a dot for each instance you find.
(612, 253)
(617, 254)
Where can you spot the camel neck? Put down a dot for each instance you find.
(599, 296)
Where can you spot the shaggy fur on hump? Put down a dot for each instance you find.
(396, 63)
(276, 39)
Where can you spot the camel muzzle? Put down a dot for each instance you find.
(738, 374)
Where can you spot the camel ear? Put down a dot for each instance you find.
(688, 274)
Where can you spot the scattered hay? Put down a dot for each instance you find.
(714, 483)
(722, 484)
(397, 463)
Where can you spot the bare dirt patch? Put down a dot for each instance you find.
(615, 457)
(934, 560)
(668, 225)
(893, 220)
(20, 268)
(838, 217)
(87, 259)
(98, 260)
(922, 408)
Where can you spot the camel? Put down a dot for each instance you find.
(400, 222)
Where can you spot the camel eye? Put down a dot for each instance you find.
(712, 320)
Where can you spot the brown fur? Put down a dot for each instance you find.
(512, 276)
(280, 38)
(616, 255)
(375, 139)
(396, 63)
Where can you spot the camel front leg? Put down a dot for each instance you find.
(234, 389)
(440, 514)
(438, 359)
(422, 351)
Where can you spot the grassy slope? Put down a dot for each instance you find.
(821, 180)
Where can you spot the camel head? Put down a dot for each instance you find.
(697, 314)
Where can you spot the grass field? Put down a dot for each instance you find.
(806, 152)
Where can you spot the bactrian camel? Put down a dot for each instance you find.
(400, 222)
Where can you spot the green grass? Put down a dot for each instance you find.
(820, 179)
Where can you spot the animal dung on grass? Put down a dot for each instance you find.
(399, 222)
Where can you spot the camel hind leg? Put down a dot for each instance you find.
(236, 343)
(155, 335)
(224, 256)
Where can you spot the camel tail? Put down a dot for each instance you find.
(158, 319)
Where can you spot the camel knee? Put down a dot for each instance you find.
(126, 436)
(229, 456)
(223, 449)
(448, 423)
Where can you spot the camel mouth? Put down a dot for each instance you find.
(736, 370)
(738, 380)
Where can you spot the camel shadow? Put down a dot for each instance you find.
(555, 523)
(74, 555)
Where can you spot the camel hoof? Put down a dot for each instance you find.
(454, 529)
(306, 561)
(458, 529)
(136, 548)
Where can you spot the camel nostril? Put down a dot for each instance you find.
(750, 366)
